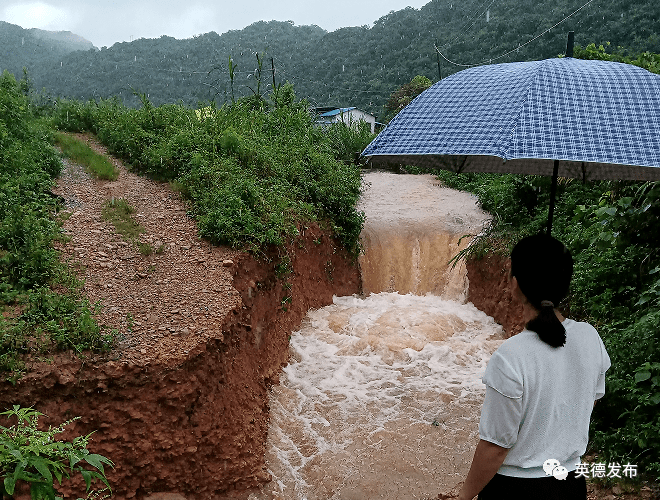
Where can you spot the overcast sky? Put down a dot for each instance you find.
(104, 22)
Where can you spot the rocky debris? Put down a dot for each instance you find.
(136, 292)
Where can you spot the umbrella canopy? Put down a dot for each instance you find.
(599, 119)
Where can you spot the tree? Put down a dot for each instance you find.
(401, 97)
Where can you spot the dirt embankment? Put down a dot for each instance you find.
(181, 405)
(490, 292)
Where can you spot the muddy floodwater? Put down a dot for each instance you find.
(382, 394)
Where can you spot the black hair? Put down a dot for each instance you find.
(543, 267)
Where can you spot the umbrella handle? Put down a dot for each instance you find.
(553, 192)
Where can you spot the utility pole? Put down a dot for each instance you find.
(437, 57)
(272, 65)
(569, 44)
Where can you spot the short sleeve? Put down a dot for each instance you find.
(502, 377)
(605, 365)
(500, 419)
(600, 386)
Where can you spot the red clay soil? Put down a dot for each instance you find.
(490, 292)
(181, 404)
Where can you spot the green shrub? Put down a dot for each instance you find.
(62, 321)
(30, 455)
(627, 422)
(254, 170)
(348, 142)
(73, 116)
(404, 95)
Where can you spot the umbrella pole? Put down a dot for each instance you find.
(553, 192)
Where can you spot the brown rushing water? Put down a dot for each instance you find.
(382, 395)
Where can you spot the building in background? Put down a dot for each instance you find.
(350, 116)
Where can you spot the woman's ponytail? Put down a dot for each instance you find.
(547, 326)
(543, 267)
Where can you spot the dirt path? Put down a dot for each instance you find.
(162, 304)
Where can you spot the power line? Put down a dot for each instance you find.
(474, 20)
(490, 60)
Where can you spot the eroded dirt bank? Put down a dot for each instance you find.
(181, 404)
(490, 291)
(197, 427)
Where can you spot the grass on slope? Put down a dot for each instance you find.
(96, 164)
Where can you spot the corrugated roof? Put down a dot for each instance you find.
(337, 111)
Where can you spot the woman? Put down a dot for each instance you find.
(541, 386)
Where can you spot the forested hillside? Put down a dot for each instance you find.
(358, 66)
(34, 48)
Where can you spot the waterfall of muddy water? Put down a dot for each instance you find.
(413, 229)
(382, 395)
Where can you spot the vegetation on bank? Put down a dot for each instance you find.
(253, 170)
(35, 317)
(36, 457)
(97, 165)
(612, 229)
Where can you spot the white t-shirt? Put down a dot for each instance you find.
(539, 398)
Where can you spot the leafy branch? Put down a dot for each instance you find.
(34, 456)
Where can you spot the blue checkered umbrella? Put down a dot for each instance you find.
(567, 117)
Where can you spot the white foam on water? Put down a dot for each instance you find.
(382, 394)
(361, 371)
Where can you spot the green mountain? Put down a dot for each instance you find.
(34, 47)
(357, 66)
(69, 42)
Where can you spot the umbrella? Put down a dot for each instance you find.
(567, 117)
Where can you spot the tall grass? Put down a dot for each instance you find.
(95, 163)
(35, 319)
(254, 169)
